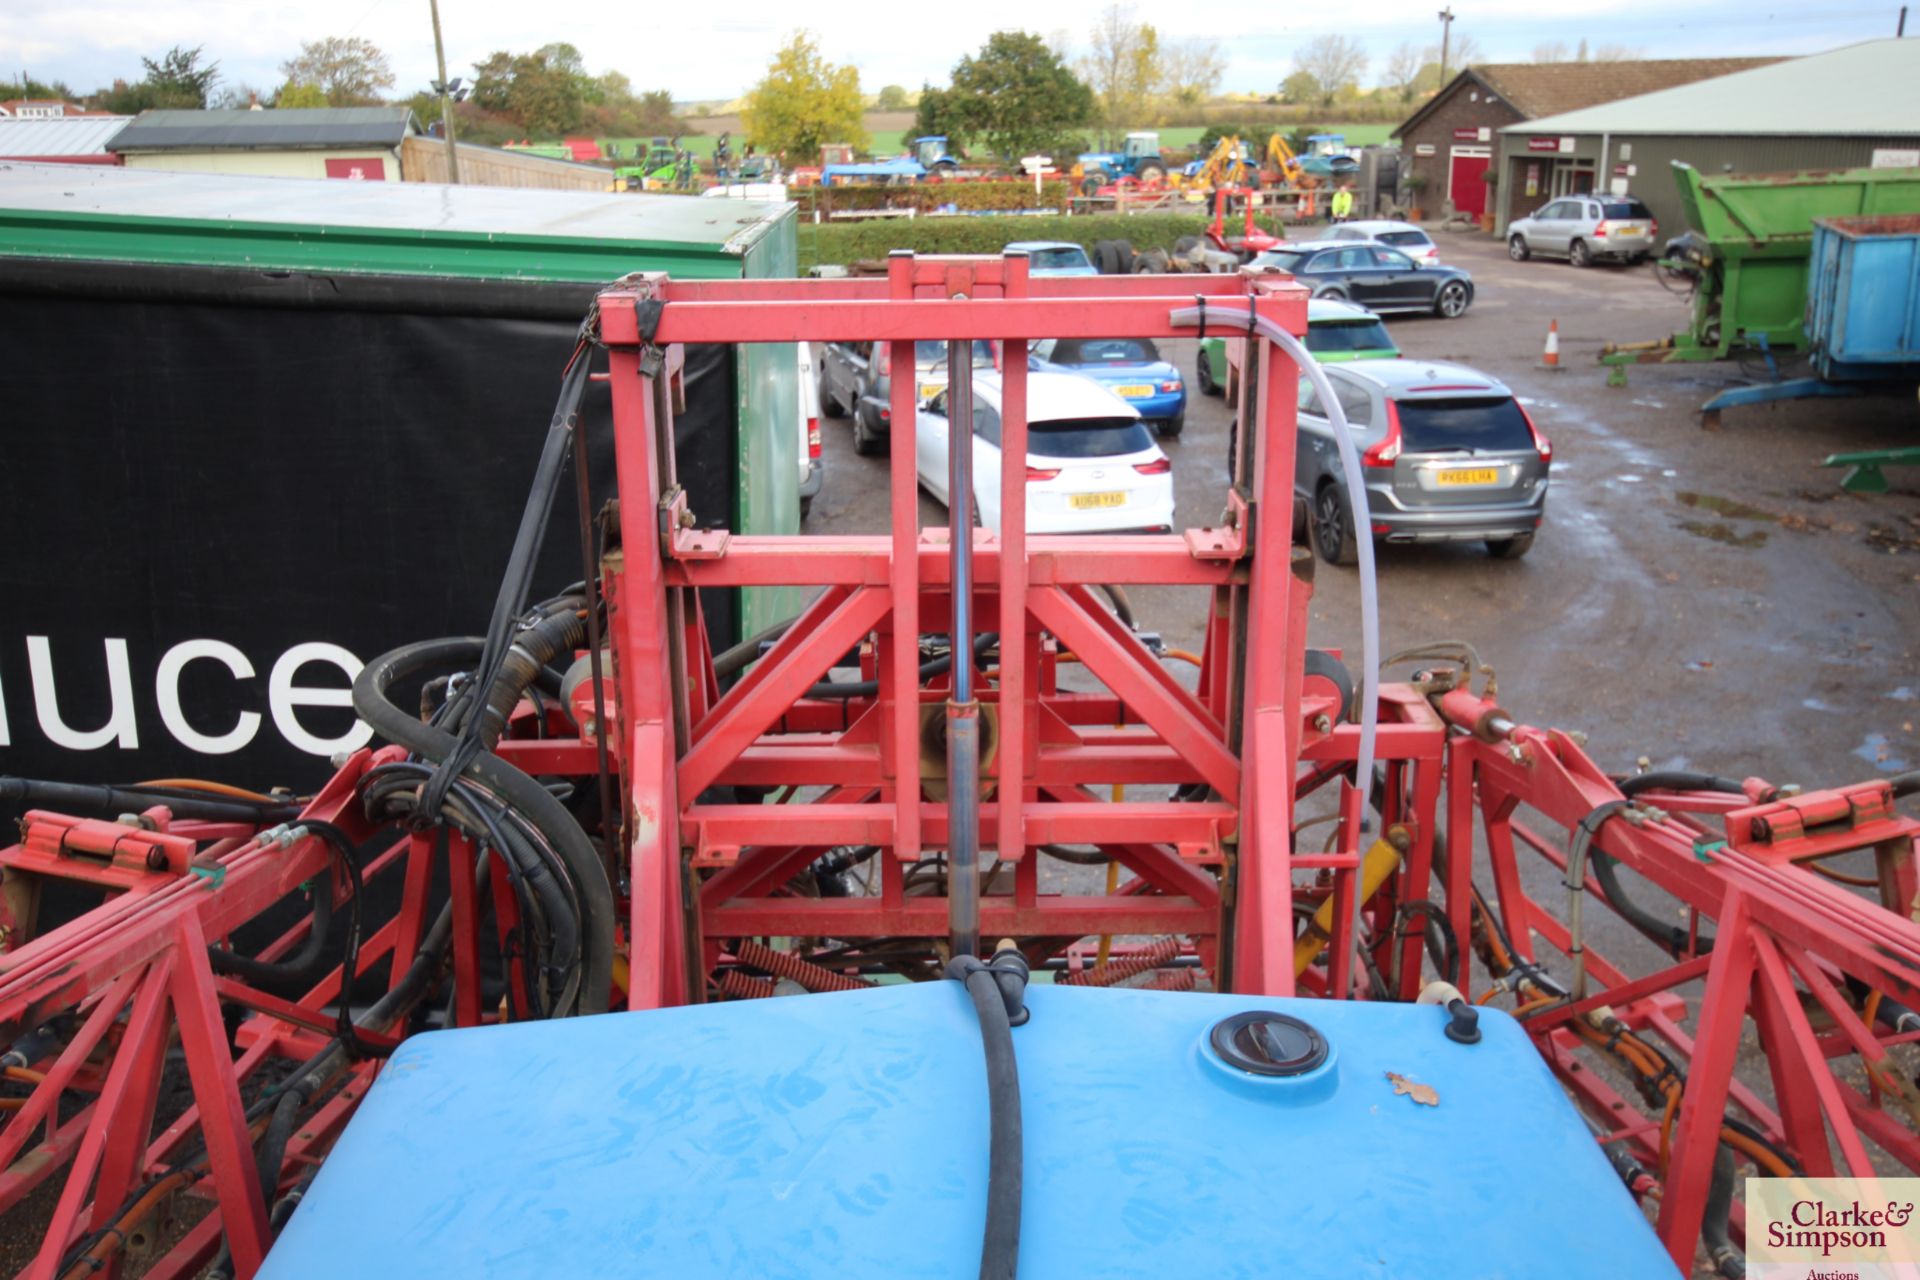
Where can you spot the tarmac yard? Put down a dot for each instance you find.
(1705, 599)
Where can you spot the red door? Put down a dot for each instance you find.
(1464, 187)
(369, 170)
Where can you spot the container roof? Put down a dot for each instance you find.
(279, 129)
(410, 228)
(59, 136)
(1868, 89)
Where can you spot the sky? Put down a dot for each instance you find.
(701, 53)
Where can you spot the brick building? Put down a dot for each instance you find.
(1454, 138)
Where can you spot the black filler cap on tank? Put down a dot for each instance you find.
(1269, 1044)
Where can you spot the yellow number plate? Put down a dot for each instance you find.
(1088, 501)
(1476, 475)
(1135, 392)
(928, 390)
(1632, 229)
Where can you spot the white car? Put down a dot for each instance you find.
(1404, 236)
(1092, 465)
(811, 473)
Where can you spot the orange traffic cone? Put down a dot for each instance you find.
(1550, 358)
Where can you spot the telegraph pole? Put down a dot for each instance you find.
(446, 97)
(1446, 34)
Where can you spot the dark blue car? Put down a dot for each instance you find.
(1129, 367)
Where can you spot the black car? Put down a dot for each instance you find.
(1375, 276)
(853, 380)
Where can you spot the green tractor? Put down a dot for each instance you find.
(666, 165)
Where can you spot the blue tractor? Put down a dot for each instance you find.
(1139, 158)
(934, 157)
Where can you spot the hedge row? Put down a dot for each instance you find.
(848, 242)
(925, 196)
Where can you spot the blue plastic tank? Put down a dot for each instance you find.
(846, 1136)
(1863, 297)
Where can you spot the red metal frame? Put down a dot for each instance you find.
(731, 792)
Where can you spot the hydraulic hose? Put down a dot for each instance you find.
(525, 662)
(303, 969)
(541, 809)
(1716, 1225)
(1358, 515)
(998, 989)
(117, 800)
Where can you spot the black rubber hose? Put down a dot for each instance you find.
(538, 805)
(983, 644)
(1674, 939)
(1716, 1227)
(118, 800)
(304, 969)
(317, 1070)
(1905, 784)
(998, 990)
(533, 647)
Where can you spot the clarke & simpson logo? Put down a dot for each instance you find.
(1833, 1229)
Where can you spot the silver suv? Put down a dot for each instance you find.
(1585, 229)
(1449, 456)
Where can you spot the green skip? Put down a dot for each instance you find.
(1866, 475)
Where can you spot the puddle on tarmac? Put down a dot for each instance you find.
(1903, 694)
(1814, 704)
(1731, 508)
(1717, 531)
(1877, 750)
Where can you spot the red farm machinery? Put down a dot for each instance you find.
(587, 808)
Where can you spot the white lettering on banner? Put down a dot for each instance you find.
(166, 691)
(46, 703)
(283, 697)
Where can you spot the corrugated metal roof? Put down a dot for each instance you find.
(1547, 88)
(154, 215)
(59, 136)
(1869, 88)
(292, 127)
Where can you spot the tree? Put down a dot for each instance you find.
(1122, 66)
(1334, 61)
(349, 70)
(1618, 53)
(939, 113)
(27, 87)
(1402, 72)
(544, 92)
(1302, 87)
(177, 80)
(1462, 52)
(300, 95)
(804, 101)
(892, 98)
(1015, 95)
(1191, 70)
(1551, 51)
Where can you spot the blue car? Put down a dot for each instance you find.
(1054, 258)
(1129, 367)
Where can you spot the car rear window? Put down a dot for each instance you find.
(1625, 209)
(1490, 423)
(982, 352)
(1358, 335)
(1280, 259)
(1054, 259)
(1105, 351)
(1088, 437)
(1403, 238)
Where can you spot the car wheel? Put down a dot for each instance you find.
(1452, 300)
(829, 407)
(1330, 526)
(1517, 248)
(1127, 257)
(1332, 294)
(1203, 374)
(1106, 257)
(866, 442)
(1172, 427)
(806, 509)
(1509, 548)
(1579, 255)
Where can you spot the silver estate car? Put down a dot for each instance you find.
(1449, 456)
(1585, 229)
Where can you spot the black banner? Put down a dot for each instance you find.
(221, 492)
